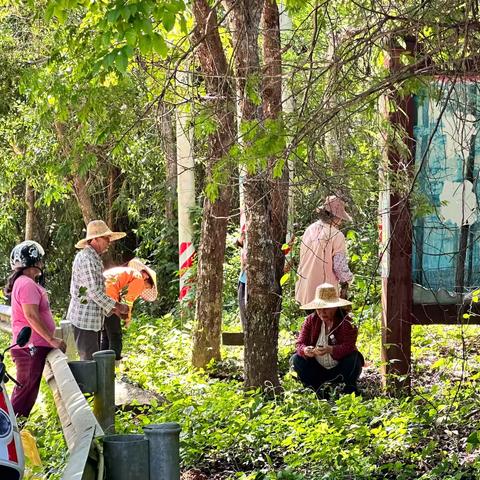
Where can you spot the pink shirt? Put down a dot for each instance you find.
(320, 243)
(27, 292)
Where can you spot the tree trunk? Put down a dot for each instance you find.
(334, 135)
(79, 185)
(465, 227)
(166, 127)
(272, 54)
(244, 21)
(210, 53)
(114, 174)
(261, 326)
(30, 220)
(272, 109)
(119, 252)
(84, 201)
(261, 329)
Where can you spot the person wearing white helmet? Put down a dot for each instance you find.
(30, 307)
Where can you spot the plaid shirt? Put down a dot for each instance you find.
(89, 303)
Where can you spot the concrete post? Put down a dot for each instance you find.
(67, 334)
(126, 457)
(104, 404)
(164, 450)
(288, 107)
(185, 188)
(85, 374)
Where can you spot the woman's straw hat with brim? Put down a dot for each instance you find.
(326, 296)
(96, 229)
(149, 294)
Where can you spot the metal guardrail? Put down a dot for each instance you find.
(153, 456)
(63, 331)
(80, 426)
(5, 315)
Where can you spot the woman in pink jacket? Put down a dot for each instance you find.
(323, 253)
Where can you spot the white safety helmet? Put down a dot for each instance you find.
(26, 254)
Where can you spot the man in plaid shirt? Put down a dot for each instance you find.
(89, 303)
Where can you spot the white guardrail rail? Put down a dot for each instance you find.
(80, 427)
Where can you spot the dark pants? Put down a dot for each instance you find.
(112, 335)
(29, 373)
(241, 303)
(313, 375)
(88, 342)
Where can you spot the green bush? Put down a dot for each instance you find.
(243, 435)
(235, 434)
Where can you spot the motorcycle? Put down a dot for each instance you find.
(12, 460)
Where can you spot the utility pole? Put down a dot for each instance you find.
(186, 187)
(288, 107)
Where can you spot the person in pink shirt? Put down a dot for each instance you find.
(323, 253)
(30, 307)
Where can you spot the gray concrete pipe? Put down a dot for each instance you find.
(164, 448)
(126, 457)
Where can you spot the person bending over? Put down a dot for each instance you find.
(126, 284)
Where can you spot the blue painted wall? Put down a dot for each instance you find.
(446, 144)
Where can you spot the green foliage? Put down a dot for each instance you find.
(156, 243)
(264, 141)
(122, 28)
(80, 83)
(241, 435)
(63, 121)
(297, 436)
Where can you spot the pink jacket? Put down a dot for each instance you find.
(320, 243)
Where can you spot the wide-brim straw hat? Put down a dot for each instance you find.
(96, 229)
(149, 294)
(326, 296)
(336, 206)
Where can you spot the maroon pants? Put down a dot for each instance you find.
(29, 373)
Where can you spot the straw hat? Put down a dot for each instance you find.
(98, 228)
(326, 296)
(336, 206)
(149, 294)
